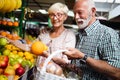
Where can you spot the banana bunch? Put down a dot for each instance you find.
(9, 5)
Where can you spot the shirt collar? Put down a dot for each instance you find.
(90, 29)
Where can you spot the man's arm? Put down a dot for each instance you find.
(98, 65)
(104, 68)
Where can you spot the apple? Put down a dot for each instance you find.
(25, 63)
(17, 65)
(3, 61)
(19, 59)
(3, 77)
(9, 71)
(6, 52)
(13, 62)
(3, 41)
(12, 55)
(20, 71)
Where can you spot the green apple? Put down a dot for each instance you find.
(6, 52)
(3, 41)
(19, 59)
(3, 77)
(25, 63)
(13, 62)
(11, 55)
(29, 63)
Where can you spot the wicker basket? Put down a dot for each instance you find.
(41, 74)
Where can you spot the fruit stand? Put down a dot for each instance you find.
(14, 62)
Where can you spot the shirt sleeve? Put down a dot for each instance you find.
(110, 48)
(70, 39)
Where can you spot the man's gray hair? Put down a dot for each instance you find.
(91, 3)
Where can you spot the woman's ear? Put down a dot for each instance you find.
(66, 16)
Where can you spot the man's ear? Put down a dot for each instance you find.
(93, 11)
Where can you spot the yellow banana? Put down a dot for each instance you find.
(1, 4)
(13, 3)
(18, 4)
(6, 6)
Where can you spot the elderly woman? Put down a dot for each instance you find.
(58, 37)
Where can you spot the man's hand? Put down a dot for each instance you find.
(74, 53)
(59, 61)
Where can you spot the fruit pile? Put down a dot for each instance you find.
(9, 5)
(9, 36)
(14, 61)
(9, 23)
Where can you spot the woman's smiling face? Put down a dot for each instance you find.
(57, 18)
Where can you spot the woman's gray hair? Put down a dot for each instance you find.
(58, 7)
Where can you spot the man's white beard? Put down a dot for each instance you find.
(84, 23)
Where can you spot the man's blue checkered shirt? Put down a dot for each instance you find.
(99, 42)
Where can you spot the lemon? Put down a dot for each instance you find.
(9, 46)
(14, 52)
(29, 56)
(21, 54)
(32, 60)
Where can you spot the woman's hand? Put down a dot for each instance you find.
(45, 54)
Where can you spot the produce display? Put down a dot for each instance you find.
(9, 36)
(9, 5)
(9, 23)
(13, 60)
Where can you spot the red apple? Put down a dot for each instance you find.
(20, 71)
(3, 61)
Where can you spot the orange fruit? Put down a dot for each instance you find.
(3, 33)
(9, 36)
(16, 24)
(10, 23)
(4, 22)
(38, 47)
(15, 37)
